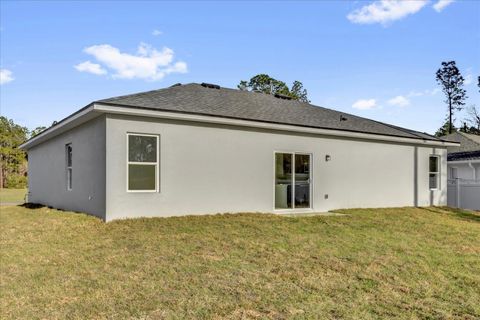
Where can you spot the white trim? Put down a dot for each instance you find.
(156, 164)
(310, 200)
(263, 125)
(62, 124)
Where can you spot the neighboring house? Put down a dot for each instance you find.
(200, 149)
(464, 160)
(464, 171)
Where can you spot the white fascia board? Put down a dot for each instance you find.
(264, 125)
(68, 123)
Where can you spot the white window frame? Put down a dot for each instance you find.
(293, 209)
(69, 168)
(436, 173)
(157, 137)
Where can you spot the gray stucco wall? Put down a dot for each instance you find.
(212, 168)
(47, 170)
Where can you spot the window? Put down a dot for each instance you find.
(434, 172)
(292, 190)
(68, 156)
(142, 162)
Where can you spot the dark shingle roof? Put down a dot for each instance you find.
(236, 104)
(459, 156)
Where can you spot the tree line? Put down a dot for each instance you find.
(266, 84)
(13, 161)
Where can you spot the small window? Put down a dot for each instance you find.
(434, 172)
(142, 163)
(68, 156)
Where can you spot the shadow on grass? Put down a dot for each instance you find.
(460, 213)
(29, 205)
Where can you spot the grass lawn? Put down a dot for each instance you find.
(12, 195)
(403, 263)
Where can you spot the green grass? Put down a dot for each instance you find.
(12, 195)
(403, 263)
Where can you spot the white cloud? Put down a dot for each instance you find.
(399, 101)
(157, 32)
(433, 92)
(426, 92)
(148, 63)
(442, 4)
(5, 76)
(468, 79)
(89, 67)
(365, 104)
(385, 11)
(415, 94)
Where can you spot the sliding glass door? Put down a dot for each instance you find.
(302, 181)
(283, 180)
(292, 190)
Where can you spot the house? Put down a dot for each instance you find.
(463, 161)
(463, 165)
(202, 149)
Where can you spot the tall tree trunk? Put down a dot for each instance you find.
(450, 115)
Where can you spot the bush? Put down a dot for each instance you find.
(16, 181)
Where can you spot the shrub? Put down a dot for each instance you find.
(16, 181)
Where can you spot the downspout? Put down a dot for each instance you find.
(473, 168)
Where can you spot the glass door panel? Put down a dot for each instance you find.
(283, 180)
(302, 181)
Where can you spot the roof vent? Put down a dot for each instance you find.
(175, 85)
(209, 85)
(282, 96)
(342, 118)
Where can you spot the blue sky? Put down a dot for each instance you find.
(376, 59)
